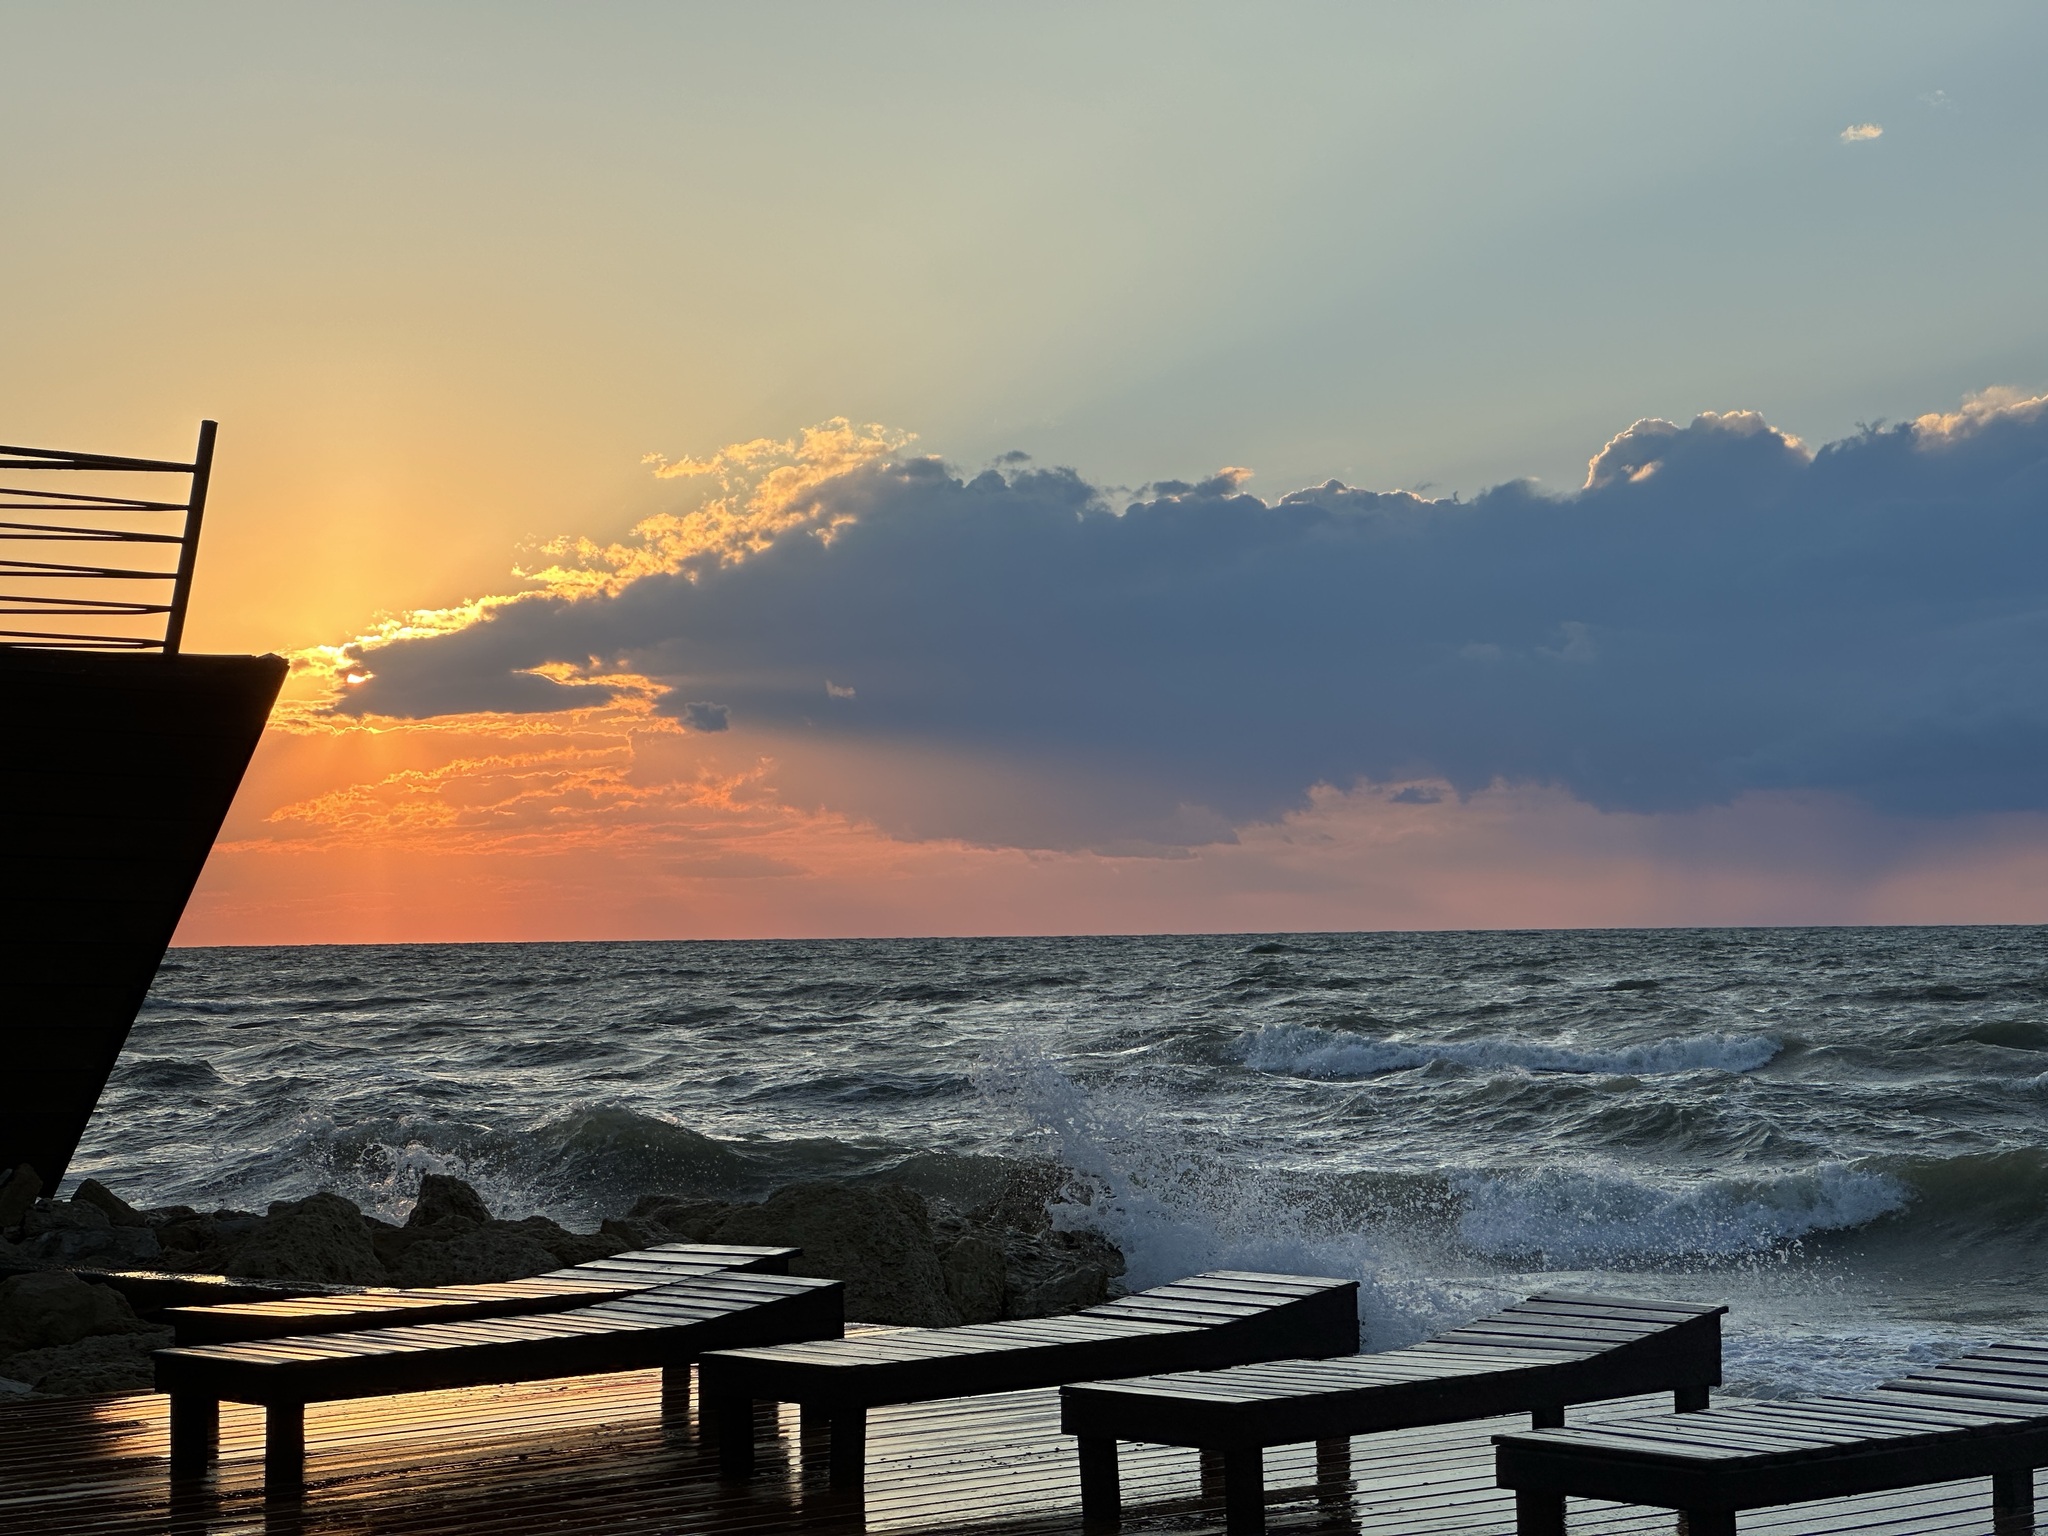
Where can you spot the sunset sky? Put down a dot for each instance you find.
(783, 469)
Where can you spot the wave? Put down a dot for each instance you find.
(1309, 1050)
(1572, 1218)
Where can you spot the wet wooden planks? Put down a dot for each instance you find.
(580, 1285)
(589, 1455)
(1982, 1416)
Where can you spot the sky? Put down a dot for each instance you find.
(786, 470)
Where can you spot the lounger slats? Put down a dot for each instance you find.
(1535, 1357)
(1985, 1414)
(559, 1290)
(668, 1327)
(1225, 1317)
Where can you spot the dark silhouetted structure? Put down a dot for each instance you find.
(119, 757)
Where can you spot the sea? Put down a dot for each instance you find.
(1840, 1133)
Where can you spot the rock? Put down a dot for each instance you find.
(1047, 1277)
(92, 1192)
(569, 1247)
(106, 1363)
(1020, 1204)
(394, 1243)
(76, 1231)
(976, 1276)
(9, 1387)
(53, 1307)
(193, 1241)
(499, 1251)
(321, 1237)
(878, 1239)
(442, 1196)
(47, 1216)
(676, 1219)
(17, 1194)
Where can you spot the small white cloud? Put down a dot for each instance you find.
(1940, 101)
(837, 691)
(1856, 133)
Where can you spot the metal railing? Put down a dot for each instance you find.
(43, 589)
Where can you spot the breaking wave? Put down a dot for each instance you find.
(1308, 1050)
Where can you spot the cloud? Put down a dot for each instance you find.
(1719, 611)
(705, 717)
(1859, 133)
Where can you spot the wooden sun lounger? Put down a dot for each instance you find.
(580, 1285)
(1536, 1357)
(1213, 1319)
(1983, 1415)
(669, 1327)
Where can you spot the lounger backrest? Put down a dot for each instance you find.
(579, 1285)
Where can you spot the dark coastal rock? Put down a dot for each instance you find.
(79, 1232)
(101, 1363)
(672, 1219)
(322, 1237)
(468, 1253)
(92, 1192)
(53, 1307)
(200, 1241)
(443, 1196)
(1047, 1276)
(976, 1273)
(570, 1247)
(17, 1193)
(878, 1239)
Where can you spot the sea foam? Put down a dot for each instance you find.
(1308, 1050)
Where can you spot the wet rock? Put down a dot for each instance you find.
(566, 1246)
(118, 1211)
(1046, 1277)
(322, 1237)
(443, 1196)
(17, 1194)
(469, 1253)
(1021, 1203)
(878, 1239)
(676, 1218)
(392, 1244)
(78, 1232)
(53, 1307)
(193, 1241)
(103, 1363)
(976, 1276)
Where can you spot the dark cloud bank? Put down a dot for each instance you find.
(1718, 611)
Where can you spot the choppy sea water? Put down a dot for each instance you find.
(1839, 1132)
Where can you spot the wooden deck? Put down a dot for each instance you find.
(588, 1455)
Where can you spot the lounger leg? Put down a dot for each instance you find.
(2012, 1502)
(284, 1448)
(675, 1391)
(731, 1421)
(1689, 1399)
(1550, 1416)
(849, 1463)
(1102, 1499)
(1333, 1461)
(1244, 1490)
(1707, 1522)
(1538, 1514)
(195, 1432)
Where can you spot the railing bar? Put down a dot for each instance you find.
(13, 567)
(62, 458)
(38, 640)
(53, 533)
(94, 501)
(53, 606)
